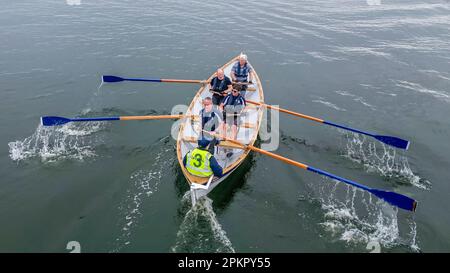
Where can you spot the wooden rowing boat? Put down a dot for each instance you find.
(250, 121)
(250, 118)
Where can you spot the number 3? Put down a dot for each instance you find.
(198, 160)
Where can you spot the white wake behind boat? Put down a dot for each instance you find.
(190, 130)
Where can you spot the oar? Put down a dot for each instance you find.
(108, 78)
(393, 198)
(389, 140)
(243, 83)
(52, 121)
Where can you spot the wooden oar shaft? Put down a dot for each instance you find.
(287, 111)
(278, 157)
(253, 148)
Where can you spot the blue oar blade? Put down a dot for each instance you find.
(109, 78)
(52, 121)
(396, 199)
(393, 141)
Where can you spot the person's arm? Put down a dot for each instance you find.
(210, 87)
(216, 120)
(227, 91)
(250, 74)
(229, 87)
(217, 117)
(184, 160)
(215, 167)
(200, 114)
(250, 77)
(233, 76)
(224, 102)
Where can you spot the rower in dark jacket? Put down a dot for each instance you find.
(232, 107)
(220, 86)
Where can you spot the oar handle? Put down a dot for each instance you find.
(218, 93)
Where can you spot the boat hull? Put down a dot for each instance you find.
(250, 121)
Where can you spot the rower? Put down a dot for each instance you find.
(241, 72)
(220, 85)
(210, 119)
(232, 106)
(200, 162)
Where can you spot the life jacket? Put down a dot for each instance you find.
(205, 120)
(197, 163)
(218, 85)
(234, 101)
(241, 73)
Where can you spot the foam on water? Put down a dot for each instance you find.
(377, 157)
(69, 141)
(361, 219)
(322, 57)
(200, 231)
(329, 104)
(144, 183)
(51, 144)
(439, 94)
(441, 75)
(358, 51)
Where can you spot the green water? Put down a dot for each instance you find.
(381, 66)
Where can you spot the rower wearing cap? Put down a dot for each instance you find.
(242, 72)
(200, 162)
(220, 85)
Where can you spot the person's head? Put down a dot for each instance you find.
(207, 104)
(203, 143)
(242, 59)
(236, 89)
(220, 74)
